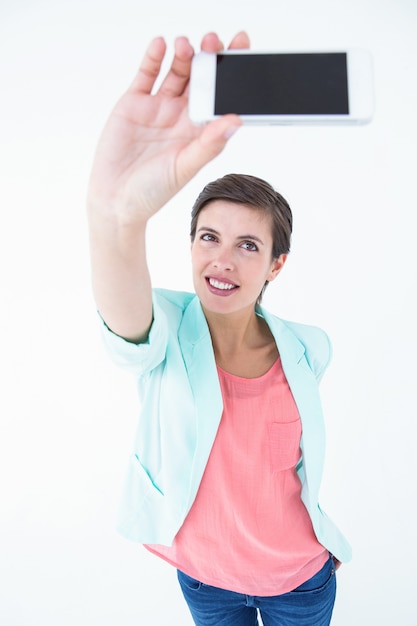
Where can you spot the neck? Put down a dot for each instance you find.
(230, 333)
(243, 343)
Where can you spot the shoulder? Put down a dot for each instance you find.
(169, 306)
(318, 348)
(312, 337)
(312, 340)
(171, 301)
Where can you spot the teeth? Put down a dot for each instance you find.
(218, 285)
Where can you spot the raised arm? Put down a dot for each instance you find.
(148, 151)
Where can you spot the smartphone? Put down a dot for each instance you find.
(283, 87)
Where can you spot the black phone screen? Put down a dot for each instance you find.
(282, 84)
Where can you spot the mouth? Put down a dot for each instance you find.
(220, 287)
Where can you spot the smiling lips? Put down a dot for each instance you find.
(220, 287)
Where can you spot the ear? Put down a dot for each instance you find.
(277, 266)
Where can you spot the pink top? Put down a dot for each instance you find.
(248, 530)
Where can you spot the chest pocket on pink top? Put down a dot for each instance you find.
(284, 444)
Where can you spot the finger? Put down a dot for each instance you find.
(150, 67)
(179, 73)
(211, 43)
(206, 146)
(239, 41)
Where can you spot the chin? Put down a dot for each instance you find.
(225, 306)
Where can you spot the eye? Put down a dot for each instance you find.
(249, 245)
(208, 237)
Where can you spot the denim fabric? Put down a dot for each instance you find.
(310, 604)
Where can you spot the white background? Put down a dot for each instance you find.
(68, 415)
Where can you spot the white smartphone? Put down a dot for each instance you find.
(283, 87)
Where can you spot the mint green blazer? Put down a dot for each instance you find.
(181, 408)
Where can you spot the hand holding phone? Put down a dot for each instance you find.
(149, 148)
(282, 87)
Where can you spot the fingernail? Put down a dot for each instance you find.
(229, 132)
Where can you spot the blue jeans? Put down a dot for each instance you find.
(310, 604)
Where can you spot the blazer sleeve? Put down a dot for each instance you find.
(140, 358)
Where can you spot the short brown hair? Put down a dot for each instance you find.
(254, 192)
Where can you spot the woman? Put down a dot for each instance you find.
(223, 481)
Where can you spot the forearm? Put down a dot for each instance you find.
(147, 152)
(120, 276)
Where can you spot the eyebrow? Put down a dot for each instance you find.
(215, 232)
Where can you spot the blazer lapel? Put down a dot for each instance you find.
(198, 355)
(304, 388)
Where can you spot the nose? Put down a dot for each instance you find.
(223, 260)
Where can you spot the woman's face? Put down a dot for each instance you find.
(232, 256)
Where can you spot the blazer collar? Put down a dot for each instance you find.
(289, 346)
(194, 330)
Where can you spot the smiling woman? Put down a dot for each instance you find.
(224, 477)
(270, 212)
(232, 252)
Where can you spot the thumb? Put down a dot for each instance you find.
(206, 146)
